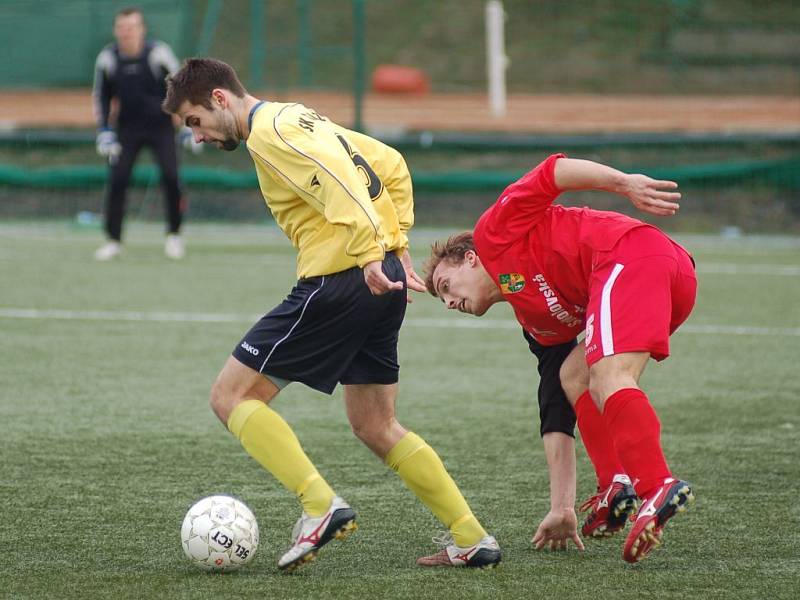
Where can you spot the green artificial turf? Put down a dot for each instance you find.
(107, 438)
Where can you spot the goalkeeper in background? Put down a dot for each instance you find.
(345, 202)
(130, 75)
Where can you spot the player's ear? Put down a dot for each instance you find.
(218, 96)
(471, 258)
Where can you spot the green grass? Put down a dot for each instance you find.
(107, 438)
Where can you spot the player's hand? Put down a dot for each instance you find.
(651, 195)
(376, 279)
(556, 529)
(413, 281)
(107, 145)
(186, 139)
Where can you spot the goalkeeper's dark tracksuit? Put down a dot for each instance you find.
(138, 84)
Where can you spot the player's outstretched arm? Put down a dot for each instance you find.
(657, 197)
(560, 525)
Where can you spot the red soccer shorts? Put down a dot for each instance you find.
(640, 292)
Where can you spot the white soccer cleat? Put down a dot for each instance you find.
(311, 533)
(108, 251)
(483, 555)
(174, 248)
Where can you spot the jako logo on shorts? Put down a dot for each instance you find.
(250, 349)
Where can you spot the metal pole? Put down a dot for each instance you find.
(257, 43)
(496, 59)
(359, 63)
(184, 48)
(209, 26)
(305, 42)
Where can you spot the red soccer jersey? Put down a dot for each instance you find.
(540, 254)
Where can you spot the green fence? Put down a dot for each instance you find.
(55, 43)
(273, 44)
(625, 46)
(283, 44)
(782, 173)
(748, 181)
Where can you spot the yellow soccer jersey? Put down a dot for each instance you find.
(343, 199)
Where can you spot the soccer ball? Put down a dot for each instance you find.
(219, 533)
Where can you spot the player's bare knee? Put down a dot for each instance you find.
(598, 389)
(364, 432)
(215, 399)
(574, 378)
(221, 400)
(372, 433)
(613, 373)
(572, 383)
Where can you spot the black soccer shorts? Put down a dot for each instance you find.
(330, 329)
(555, 412)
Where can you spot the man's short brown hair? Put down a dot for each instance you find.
(195, 81)
(128, 11)
(452, 251)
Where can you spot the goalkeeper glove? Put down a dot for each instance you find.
(107, 145)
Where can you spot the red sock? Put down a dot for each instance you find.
(636, 432)
(597, 440)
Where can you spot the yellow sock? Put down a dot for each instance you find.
(270, 440)
(423, 472)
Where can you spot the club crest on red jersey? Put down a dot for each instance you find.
(511, 283)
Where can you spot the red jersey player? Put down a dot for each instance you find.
(623, 282)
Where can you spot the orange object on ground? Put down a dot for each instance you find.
(399, 79)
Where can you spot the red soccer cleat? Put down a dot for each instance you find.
(610, 508)
(672, 497)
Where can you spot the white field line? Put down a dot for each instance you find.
(288, 261)
(455, 323)
(123, 315)
(748, 269)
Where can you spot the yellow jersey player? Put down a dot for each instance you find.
(345, 202)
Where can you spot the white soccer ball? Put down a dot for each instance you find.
(219, 533)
